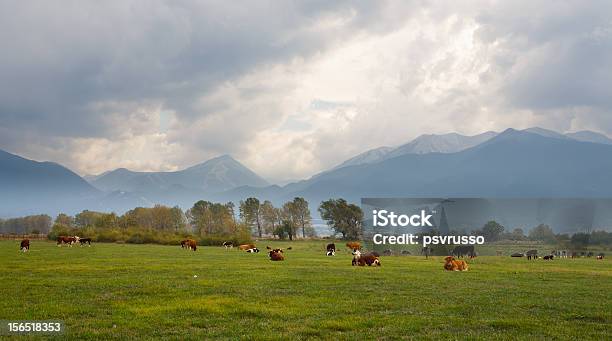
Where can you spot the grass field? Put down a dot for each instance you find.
(149, 291)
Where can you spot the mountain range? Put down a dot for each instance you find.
(534, 163)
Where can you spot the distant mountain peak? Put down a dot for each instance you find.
(220, 173)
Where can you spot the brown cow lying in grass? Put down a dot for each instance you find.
(245, 247)
(368, 259)
(276, 254)
(451, 264)
(25, 245)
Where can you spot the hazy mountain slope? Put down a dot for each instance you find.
(28, 187)
(370, 156)
(215, 175)
(446, 143)
(589, 136)
(512, 164)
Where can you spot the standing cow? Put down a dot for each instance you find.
(61, 240)
(532, 254)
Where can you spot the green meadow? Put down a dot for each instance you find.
(119, 291)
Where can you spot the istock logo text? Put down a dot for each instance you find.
(385, 218)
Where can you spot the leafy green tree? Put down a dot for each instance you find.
(580, 240)
(209, 218)
(64, 220)
(270, 216)
(342, 217)
(250, 213)
(543, 233)
(300, 214)
(492, 230)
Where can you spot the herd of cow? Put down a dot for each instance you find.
(533, 254)
(451, 262)
(61, 240)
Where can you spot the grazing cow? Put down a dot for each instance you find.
(517, 254)
(65, 240)
(549, 257)
(331, 247)
(532, 254)
(253, 250)
(245, 247)
(25, 245)
(387, 252)
(228, 245)
(451, 264)
(276, 255)
(406, 252)
(189, 244)
(600, 256)
(84, 241)
(464, 250)
(354, 245)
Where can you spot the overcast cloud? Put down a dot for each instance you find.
(290, 88)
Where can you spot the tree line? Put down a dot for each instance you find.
(210, 222)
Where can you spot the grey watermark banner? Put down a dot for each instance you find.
(456, 221)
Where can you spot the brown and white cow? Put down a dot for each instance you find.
(245, 247)
(61, 240)
(25, 245)
(276, 255)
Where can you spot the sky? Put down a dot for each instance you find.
(290, 88)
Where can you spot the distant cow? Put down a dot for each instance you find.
(331, 247)
(549, 257)
(600, 256)
(276, 255)
(25, 245)
(84, 241)
(245, 247)
(532, 254)
(354, 245)
(461, 251)
(61, 240)
(189, 244)
(253, 250)
(228, 245)
(517, 254)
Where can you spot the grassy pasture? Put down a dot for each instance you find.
(149, 291)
